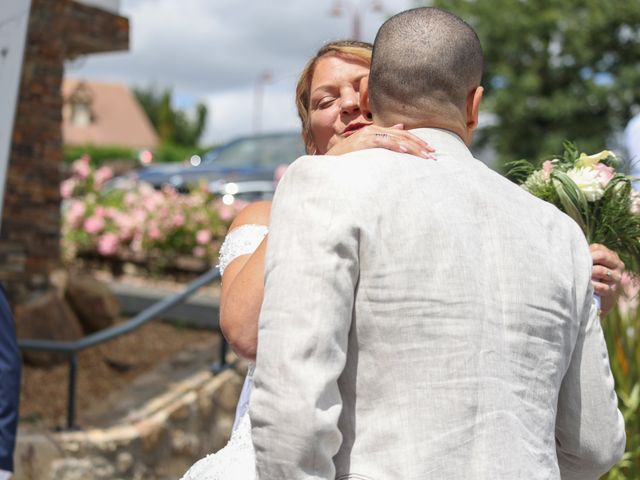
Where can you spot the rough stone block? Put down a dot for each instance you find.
(46, 317)
(94, 303)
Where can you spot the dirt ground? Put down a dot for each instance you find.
(102, 370)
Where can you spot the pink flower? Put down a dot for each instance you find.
(76, 212)
(67, 187)
(108, 244)
(547, 168)
(125, 224)
(103, 174)
(178, 220)
(139, 217)
(605, 173)
(154, 232)
(628, 301)
(169, 191)
(130, 199)
(81, 167)
(136, 244)
(225, 212)
(199, 252)
(203, 237)
(94, 224)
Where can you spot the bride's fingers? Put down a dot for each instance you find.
(605, 257)
(403, 145)
(603, 289)
(413, 144)
(410, 137)
(605, 275)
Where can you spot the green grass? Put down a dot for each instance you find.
(622, 332)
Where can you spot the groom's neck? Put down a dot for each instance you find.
(452, 122)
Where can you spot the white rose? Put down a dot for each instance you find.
(587, 180)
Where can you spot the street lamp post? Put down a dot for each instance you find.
(341, 6)
(258, 99)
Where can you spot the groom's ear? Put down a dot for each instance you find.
(473, 107)
(364, 98)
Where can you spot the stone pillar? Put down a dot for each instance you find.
(30, 233)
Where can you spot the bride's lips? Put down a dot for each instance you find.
(353, 128)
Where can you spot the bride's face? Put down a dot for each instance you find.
(334, 111)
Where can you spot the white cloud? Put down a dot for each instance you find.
(215, 50)
(233, 112)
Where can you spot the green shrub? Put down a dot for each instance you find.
(99, 155)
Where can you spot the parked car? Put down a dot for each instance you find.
(243, 168)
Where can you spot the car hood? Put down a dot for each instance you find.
(229, 174)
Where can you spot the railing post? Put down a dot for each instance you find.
(221, 364)
(71, 399)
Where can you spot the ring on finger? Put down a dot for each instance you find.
(609, 274)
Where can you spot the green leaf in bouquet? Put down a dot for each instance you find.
(615, 226)
(572, 200)
(571, 153)
(518, 170)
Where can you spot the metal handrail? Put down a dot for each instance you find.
(72, 348)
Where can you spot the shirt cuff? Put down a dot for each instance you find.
(4, 475)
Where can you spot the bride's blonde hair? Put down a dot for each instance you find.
(350, 49)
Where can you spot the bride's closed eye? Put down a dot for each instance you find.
(324, 102)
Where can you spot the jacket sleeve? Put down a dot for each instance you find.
(311, 275)
(10, 362)
(590, 434)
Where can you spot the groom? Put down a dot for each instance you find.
(427, 320)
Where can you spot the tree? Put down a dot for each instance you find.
(555, 70)
(173, 126)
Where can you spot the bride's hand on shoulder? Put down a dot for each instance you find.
(392, 138)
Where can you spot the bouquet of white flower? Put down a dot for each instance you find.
(589, 190)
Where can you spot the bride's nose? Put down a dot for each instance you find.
(350, 105)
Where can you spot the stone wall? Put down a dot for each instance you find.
(159, 441)
(30, 234)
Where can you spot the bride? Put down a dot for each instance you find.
(327, 99)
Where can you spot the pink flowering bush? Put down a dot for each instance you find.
(140, 224)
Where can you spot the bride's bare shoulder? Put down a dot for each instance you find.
(256, 213)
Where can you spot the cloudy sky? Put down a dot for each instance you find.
(216, 51)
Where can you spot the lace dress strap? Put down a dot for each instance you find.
(243, 240)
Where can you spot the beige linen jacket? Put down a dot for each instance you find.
(427, 320)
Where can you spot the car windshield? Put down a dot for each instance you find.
(267, 151)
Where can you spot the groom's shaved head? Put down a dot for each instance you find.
(424, 58)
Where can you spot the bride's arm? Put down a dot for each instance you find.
(243, 287)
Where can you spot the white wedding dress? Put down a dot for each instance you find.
(236, 461)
